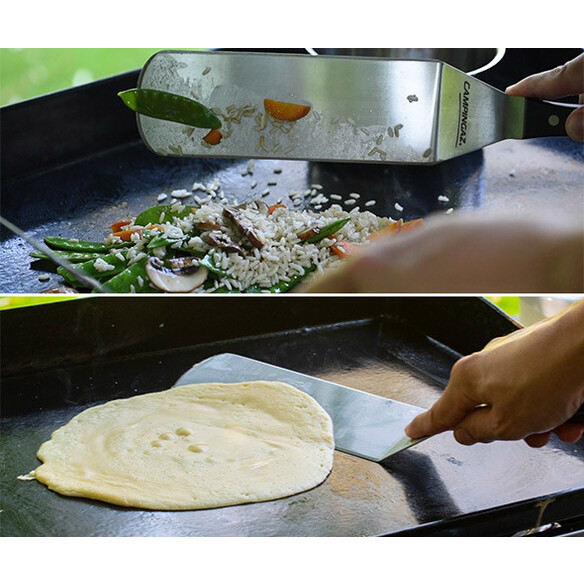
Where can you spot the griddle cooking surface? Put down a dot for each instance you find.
(84, 198)
(73, 163)
(383, 353)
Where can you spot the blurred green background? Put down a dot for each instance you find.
(26, 73)
(509, 304)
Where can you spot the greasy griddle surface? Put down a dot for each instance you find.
(84, 198)
(435, 480)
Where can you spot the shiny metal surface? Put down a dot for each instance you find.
(364, 425)
(473, 114)
(470, 60)
(362, 109)
(387, 354)
(353, 103)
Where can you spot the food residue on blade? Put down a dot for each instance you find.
(289, 112)
(213, 137)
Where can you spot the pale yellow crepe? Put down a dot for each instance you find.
(193, 447)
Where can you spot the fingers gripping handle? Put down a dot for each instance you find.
(544, 118)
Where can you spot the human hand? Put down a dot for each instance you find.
(528, 383)
(465, 254)
(564, 81)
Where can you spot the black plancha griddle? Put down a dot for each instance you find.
(72, 163)
(59, 359)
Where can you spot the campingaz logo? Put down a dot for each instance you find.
(463, 100)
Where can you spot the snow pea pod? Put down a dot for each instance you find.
(72, 256)
(161, 241)
(328, 230)
(209, 263)
(281, 287)
(170, 106)
(131, 280)
(116, 264)
(278, 288)
(161, 214)
(68, 244)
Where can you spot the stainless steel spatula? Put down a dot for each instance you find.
(361, 109)
(365, 425)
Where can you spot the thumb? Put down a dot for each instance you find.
(575, 125)
(444, 415)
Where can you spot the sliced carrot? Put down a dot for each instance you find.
(126, 234)
(289, 112)
(344, 249)
(272, 208)
(117, 226)
(389, 230)
(412, 224)
(213, 137)
(397, 227)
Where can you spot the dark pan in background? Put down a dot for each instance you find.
(58, 359)
(72, 163)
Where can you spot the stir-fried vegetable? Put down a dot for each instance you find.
(131, 280)
(173, 248)
(213, 137)
(101, 268)
(114, 268)
(162, 213)
(316, 234)
(398, 227)
(169, 106)
(289, 112)
(77, 245)
(74, 257)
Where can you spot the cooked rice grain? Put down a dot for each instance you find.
(283, 256)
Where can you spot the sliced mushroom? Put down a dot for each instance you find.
(244, 225)
(61, 290)
(311, 232)
(222, 241)
(260, 206)
(182, 275)
(207, 225)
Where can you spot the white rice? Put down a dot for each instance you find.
(102, 266)
(283, 256)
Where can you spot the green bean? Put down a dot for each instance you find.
(153, 214)
(68, 244)
(169, 106)
(329, 229)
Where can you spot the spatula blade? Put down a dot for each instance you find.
(365, 425)
(362, 109)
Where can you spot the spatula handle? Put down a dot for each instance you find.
(544, 119)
